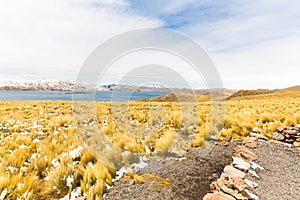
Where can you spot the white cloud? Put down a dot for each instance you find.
(51, 39)
(272, 64)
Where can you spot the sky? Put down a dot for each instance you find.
(253, 44)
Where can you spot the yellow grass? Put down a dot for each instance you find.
(37, 138)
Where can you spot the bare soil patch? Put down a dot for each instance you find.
(190, 178)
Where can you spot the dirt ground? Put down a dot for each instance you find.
(281, 177)
(190, 178)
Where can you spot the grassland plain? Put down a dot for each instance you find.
(41, 156)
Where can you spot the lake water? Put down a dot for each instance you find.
(106, 96)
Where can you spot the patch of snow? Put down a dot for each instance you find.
(12, 169)
(141, 164)
(3, 194)
(36, 141)
(20, 186)
(180, 159)
(22, 146)
(55, 162)
(76, 152)
(33, 156)
(70, 181)
(89, 133)
(120, 173)
(108, 147)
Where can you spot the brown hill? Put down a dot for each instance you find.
(262, 92)
(242, 93)
(185, 97)
(293, 88)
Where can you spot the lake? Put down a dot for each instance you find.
(106, 96)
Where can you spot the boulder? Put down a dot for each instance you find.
(281, 128)
(250, 142)
(244, 153)
(233, 172)
(240, 164)
(290, 132)
(278, 136)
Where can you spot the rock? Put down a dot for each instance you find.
(250, 195)
(251, 184)
(296, 144)
(4, 130)
(231, 171)
(237, 183)
(244, 153)
(240, 164)
(258, 136)
(288, 145)
(256, 166)
(278, 136)
(251, 145)
(253, 173)
(281, 128)
(250, 142)
(290, 132)
(224, 188)
(239, 196)
(290, 140)
(214, 187)
(218, 196)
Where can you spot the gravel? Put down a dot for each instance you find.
(281, 177)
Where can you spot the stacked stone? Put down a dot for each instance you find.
(232, 183)
(288, 134)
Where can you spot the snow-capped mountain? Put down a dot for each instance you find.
(47, 85)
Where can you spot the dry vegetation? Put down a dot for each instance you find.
(41, 156)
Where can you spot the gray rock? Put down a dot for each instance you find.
(254, 174)
(281, 128)
(231, 171)
(278, 136)
(251, 184)
(240, 164)
(290, 132)
(258, 136)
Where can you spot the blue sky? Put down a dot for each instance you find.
(254, 44)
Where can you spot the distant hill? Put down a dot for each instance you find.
(204, 94)
(172, 97)
(200, 96)
(242, 93)
(247, 93)
(293, 88)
